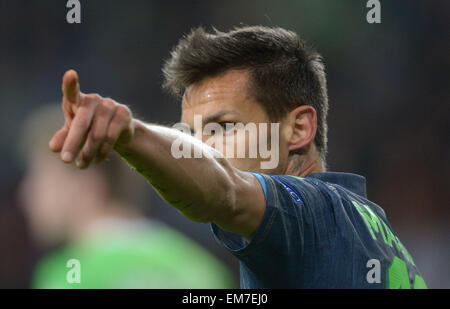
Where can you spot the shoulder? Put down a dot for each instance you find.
(290, 189)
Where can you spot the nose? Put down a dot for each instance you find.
(199, 135)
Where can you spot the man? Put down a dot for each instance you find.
(293, 225)
(87, 217)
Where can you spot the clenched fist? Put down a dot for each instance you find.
(93, 125)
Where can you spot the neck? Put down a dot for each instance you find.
(313, 167)
(302, 165)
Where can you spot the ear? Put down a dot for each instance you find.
(303, 127)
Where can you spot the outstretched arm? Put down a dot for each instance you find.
(206, 189)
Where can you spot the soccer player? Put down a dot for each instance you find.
(293, 225)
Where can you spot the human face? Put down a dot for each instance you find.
(45, 196)
(225, 99)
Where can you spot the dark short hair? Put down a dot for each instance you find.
(284, 71)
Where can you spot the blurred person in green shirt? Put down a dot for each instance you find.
(113, 244)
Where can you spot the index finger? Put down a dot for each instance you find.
(71, 87)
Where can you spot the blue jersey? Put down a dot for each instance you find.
(321, 232)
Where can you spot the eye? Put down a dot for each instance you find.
(227, 126)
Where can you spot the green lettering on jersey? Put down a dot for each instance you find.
(375, 224)
(419, 283)
(405, 252)
(397, 275)
(390, 237)
(372, 221)
(398, 278)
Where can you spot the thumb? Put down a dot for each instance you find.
(58, 139)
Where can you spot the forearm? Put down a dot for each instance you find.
(202, 189)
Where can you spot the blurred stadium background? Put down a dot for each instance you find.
(388, 88)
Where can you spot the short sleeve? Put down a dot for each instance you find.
(280, 233)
